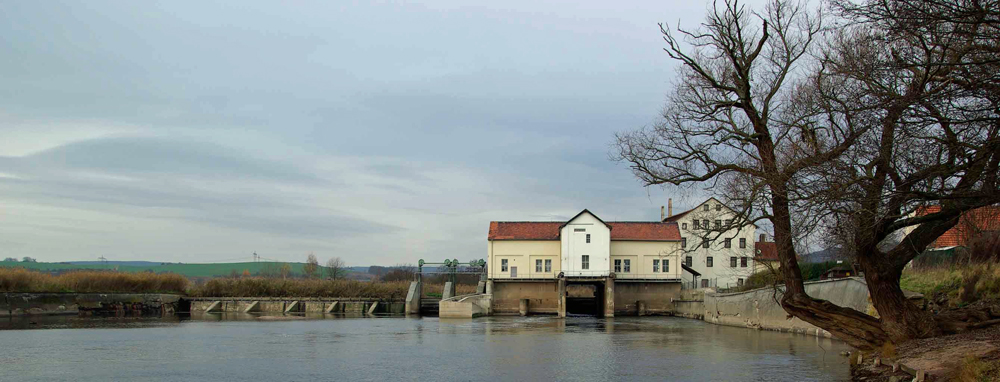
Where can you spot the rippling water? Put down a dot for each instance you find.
(395, 348)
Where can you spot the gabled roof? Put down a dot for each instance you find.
(585, 211)
(620, 231)
(680, 215)
(969, 224)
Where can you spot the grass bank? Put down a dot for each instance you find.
(269, 287)
(24, 280)
(955, 283)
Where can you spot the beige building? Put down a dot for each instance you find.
(584, 246)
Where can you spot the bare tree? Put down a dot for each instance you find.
(335, 268)
(311, 267)
(879, 123)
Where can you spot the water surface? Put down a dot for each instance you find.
(395, 348)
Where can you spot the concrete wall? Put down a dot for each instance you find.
(303, 305)
(690, 304)
(543, 296)
(468, 306)
(758, 308)
(15, 304)
(657, 297)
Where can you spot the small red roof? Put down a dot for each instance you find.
(637, 231)
(766, 250)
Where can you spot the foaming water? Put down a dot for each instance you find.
(235, 347)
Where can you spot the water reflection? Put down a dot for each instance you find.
(318, 346)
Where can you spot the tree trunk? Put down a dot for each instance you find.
(901, 319)
(856, 328)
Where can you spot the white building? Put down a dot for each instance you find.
(714, 246)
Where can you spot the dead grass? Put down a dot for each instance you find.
(953, 281)
(434, 290)
(976, 369)
(28, 281)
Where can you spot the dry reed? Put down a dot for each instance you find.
(23, 280)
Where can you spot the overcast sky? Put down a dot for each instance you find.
(381, 133)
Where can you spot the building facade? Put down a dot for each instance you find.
(584, 246)
(713, 245)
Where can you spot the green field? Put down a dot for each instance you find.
(189, 270)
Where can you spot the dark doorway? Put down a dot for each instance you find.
(585, 299)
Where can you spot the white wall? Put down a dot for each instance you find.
(574, 246)
(721, 273)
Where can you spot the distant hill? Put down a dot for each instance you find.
(825, 255)
(129, 263)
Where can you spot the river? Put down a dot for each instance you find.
(395, 348)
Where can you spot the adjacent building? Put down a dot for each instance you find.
(714, 245)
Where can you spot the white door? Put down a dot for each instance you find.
(513, 271)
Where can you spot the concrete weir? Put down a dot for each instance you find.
(600, 296)
(295, 305)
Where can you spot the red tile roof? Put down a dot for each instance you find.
(637, 231)
(969, 224)
(766, 250)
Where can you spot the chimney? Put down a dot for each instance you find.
(661, 213)
(763, 238)
(670, 207)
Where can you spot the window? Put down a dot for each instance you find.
(732, 262)
(706, 207)
(503, 265)
(579, 230)
(656, 265)
(704, 243)
(704, 223)
(684, 225)
(666, 265)
(709, 261)
(743, 262)
(739, 282)
(743, 242)
(548, 265)
(538, 266)
(718, 224)
(588, 238)
(586, 262)
(628, 266)
(684, 243)
(618, 265)
(729, 223)
(704, 283)
(718, 207)
(689, 261)
(728, 243)
(697, 224)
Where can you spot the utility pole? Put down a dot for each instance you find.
(256, 257)
(103, 260)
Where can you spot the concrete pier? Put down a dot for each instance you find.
(562, 298)
(253, 307)
(413, 298)
(609, 297)
(330, 308)
(449, 290)
(523, 307)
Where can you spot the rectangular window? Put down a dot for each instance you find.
(743, 262)
(538, 266)
(729, 223)
(579, 230)
(503, 265)
(618, 265)
(729, 243)
(743, 242)
(718, 207)
(586, 262)
(656, 265)
(689, 261)
(732, 262)
(718, 224)
(739, 282)
(704, 224)
(628, 266)
(548, 265)
(684, 243)
(697, 224)
(684, 225)
(704, 243)
(709, 262)
(706, 207)
(588, 238)
(666, 265)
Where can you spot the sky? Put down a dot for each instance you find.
(377, 132)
